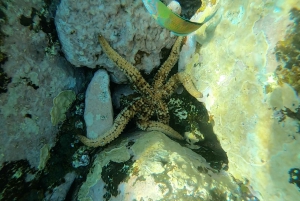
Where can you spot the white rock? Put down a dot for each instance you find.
(161, 170)
(98, 113)
(175, 7)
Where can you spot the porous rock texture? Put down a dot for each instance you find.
(37, 76)
(127, 26)
(98, 113)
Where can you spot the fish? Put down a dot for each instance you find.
(172, 21)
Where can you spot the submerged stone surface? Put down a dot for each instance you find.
(33, 76)
(98, 113)
(151, 166)
(254, 109)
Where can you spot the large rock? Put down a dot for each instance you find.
(98, 113)
(127, 26)
(31, 77)
(246, 69)
(151, 166)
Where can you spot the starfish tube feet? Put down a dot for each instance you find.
(151, 99)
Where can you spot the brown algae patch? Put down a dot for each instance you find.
(288, 54)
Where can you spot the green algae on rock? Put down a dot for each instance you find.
(61, 104)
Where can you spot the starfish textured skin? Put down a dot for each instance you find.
(151, 97)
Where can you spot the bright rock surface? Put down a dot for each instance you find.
(98, 113)
(175, 7)
(154, 167)
(127, 26)
(252, 104)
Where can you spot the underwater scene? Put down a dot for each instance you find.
(149, 100)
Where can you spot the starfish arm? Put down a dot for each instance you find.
(162, 112)
(169, 88)
(151, 106)
(119, 124)
(157, 126)
(146, 113)
(128, 69)
(189, 85)
(164, 70)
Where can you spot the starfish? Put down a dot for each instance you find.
(151, 98)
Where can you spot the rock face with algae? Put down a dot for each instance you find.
(151, 166)
(242, 63)
(31, 74)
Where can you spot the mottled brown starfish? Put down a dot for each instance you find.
(150, 100)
